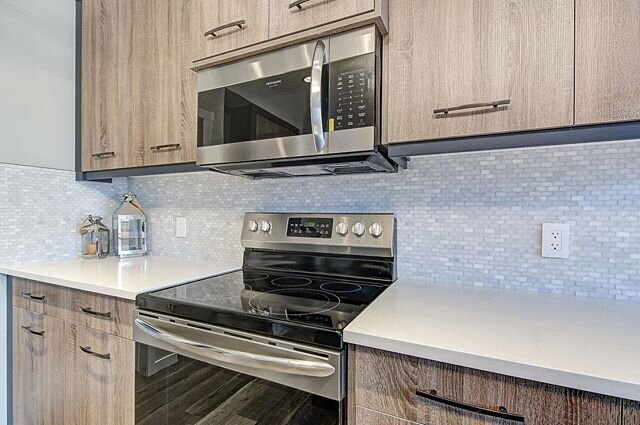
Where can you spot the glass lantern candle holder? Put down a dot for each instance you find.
(129, 228)
(94, 236)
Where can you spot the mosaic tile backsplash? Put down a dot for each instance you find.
(470, 219)
(41, 210)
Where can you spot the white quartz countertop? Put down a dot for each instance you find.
(588, 344)
(124, 278)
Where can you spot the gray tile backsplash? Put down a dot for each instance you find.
(468, 219)
(41, 210)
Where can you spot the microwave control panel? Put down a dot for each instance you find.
(353, 92)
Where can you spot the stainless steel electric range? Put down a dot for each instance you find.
(263, 345)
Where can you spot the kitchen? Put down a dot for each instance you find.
(465, 252)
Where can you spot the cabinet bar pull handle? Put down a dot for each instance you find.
(89, 310)
(212, 32)
(494, 104)
(29, 296)
(87, 350)
(103, 154)
(168, 146)
(297, 3)
(501, 412)
(28, 328)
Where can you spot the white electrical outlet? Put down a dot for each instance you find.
(181, 227)
(555, 240)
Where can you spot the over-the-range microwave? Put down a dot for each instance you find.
(308, 109)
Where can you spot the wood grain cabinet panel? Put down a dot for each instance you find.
(39, 297)
(211, 14)
(371, 417)
(38, 369)
(108, 107)
(607, 61)
(449, 53)
(101, 312)
(387, 382)
(313, 13)
(100, 378)
(630, 412)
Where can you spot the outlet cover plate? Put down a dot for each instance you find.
(555, 240)
(181, 227)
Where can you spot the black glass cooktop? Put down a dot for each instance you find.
(296, 306)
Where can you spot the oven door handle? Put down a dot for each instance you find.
(315, 96)
(240, 358)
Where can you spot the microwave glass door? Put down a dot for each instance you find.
(272, 107)
(172, 389)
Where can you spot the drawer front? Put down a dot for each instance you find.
(38, 368)
(371, 417)
(286, 19)
(100, 378)
(434, 393)
(101, 312)
(39, 297)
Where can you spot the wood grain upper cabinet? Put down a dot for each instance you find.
(165, 85)
(108, 86)
(460, 53)
(286, 18)
(607, 61)
(38, 368)
(228, 25)
(100, 388)
(138, 89)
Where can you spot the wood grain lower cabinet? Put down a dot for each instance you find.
(100, 312)
(100, 381)
(38, 369)
(630, 412)
(470, 54)
(39, 297)
(312, 13)
(388, 383)
(371, 417)
(607, 61)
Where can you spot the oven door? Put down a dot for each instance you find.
(188, 373)
(270, 107)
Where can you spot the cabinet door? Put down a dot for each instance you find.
(100, 378)
(219, 16)
(38, 368)
(607, 61)
(286, 19)
(465, 53)
(165, 85)
(108, 92)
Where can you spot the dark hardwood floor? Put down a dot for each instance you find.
(195, 393)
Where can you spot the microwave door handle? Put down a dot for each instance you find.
(240, 358)
(315, 95)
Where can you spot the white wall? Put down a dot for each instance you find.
(37, 83)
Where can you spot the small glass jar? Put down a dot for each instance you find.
(94, 236)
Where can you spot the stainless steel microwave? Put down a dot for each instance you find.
(308, 109)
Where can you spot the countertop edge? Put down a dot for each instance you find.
(585, 382)
(105, 290)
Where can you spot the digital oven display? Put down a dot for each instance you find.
(310, 227)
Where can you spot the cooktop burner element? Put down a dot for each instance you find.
(305, 291)
(291, 282)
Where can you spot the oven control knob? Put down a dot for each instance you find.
(376, 230)
(265, 226)
(252, 226)
(358, 229)
(342, 228)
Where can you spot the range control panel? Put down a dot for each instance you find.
(353, 234)
(352, 99)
